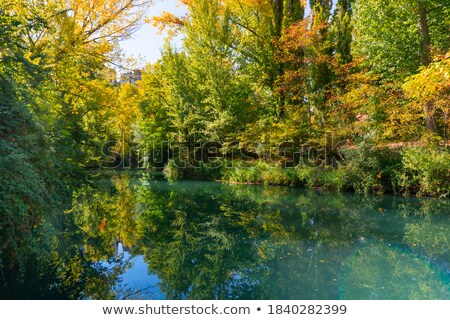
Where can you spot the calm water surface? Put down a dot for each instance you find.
(134, 238)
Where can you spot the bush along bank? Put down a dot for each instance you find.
(414, 171)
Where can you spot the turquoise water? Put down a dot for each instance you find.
(131, 238)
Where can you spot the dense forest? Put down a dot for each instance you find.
(348, 95)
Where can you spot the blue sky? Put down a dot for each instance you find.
(146, 42)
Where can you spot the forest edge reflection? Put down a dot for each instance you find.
(207, 240)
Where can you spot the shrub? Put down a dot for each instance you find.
(261, 173)
(333, 178)
(425, 172)
(172, 171)
(322, 177)
(370, 169)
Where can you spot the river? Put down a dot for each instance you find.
(128, 237)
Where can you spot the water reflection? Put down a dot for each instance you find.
(128, 238)
(380, 271)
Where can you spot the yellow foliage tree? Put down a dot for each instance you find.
(430, 90)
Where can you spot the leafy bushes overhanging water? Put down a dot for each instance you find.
(420, 171)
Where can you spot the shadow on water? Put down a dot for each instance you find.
(131, 238)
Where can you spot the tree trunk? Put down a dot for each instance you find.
(430, 119)
(424, 31)
(278, 8)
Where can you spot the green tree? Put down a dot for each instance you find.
(31, 185)
(397, 52)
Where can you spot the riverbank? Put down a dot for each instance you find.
(413, 171)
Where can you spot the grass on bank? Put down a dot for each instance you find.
(419, 171)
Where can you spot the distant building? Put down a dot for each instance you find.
(131, 76)
(110, 75)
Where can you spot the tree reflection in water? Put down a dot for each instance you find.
(206, 240)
